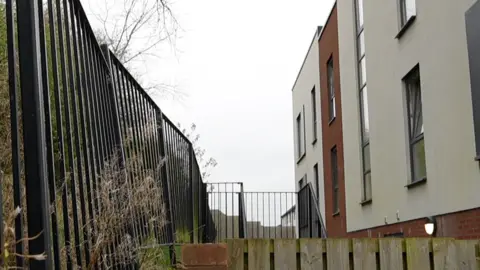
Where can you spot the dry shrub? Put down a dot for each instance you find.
(8, 252)
(130, 201)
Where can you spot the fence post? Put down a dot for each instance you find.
(241, 233)
(14, 125)
(2, 238)
(170, 228)
(191, 194)
(38, 206)
(243, 220)
(310, 218)
(113, 104)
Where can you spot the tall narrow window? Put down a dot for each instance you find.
(363, 100)
(415, 125)
(314, 113)
(299, 136)
(331, 89)
(317, 181)
(334, 164)
(407, 11)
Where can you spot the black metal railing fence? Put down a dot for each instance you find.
(264, 215)
(92, 168)
(310, 221)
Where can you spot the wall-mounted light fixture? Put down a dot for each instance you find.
(430, 226)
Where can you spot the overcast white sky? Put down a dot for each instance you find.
(237, 61)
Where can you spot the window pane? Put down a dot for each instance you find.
(331, 107)
(299, 136)
(414, 99)
(359, 14)
(336, 200)
(364, 114)
(331, 89)
(361, 45)
(366, 158)
(410, 8)
(367, 186)
(362, 70)
(317, 184)
(314, 113)
(418, 160)
(333, 160)
(407, 10)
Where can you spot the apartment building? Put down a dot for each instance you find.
(398, 137)
(307, 123)
(410, 135)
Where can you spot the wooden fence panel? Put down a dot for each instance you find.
(236, 249)
(391, 257)
(285, 251)
(418, 253)
(338, 257)
(259, 254)
(466, 255)
(444, 253)
(311, 254)
(364, 254)
(354, 254)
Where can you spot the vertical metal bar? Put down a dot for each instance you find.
(191, 154)
(48, 137)
(150, 157)
(240, 217)
(130, 137)
(145, 148)
(142, 115)
(135, 140)
(166, 190)
(252, 215)
(263, 215)
(310, 218)
(99, 123)
(179, 177)
(141, 149)
(86, 139)
(14, 126)
(2, 237)
(79, 138)
(275, 213)
(281, 213)
(106, 100)
(226, 212)
(269, 216)
(111, 157)
(172, 143)
(38, 210)
(95, 152)
(59, 113)
(156, 163)
(107, 139)
(100, 104)
(71, 140)
(118, 90)
(233, 211)
(219, 223)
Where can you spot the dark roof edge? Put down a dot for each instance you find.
(328, 19)
(317, 32)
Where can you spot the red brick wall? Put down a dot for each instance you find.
(205, 257)
(332, 132)
(463, 225)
